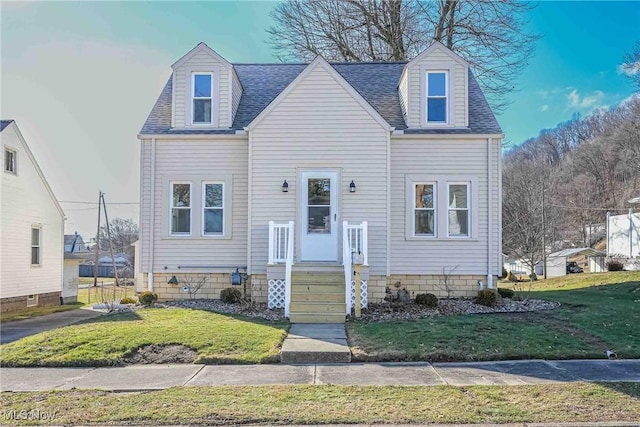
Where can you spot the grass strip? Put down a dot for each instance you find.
(28, 313)
(327, 404)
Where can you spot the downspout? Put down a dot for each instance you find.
(152, 213)
(630, 233)
(608, 238)
(489, 216)
(388, 204)
(249, 197)
(499, 157)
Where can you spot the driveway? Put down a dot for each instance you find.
(12, 331)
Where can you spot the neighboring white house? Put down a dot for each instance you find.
(284, 170)
(623, 235)
(31, 228)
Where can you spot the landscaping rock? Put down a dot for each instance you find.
(258, 310)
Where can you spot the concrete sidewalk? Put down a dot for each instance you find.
(157, 377)
(12, 331)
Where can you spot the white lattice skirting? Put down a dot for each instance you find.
(276, 293)
(363, 293)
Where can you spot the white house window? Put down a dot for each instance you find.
(180, 208)
(9, 160)
(32, 300)
(213, 208)
(424, 210)
(437, 97)
(35, 245)
(202, 98)
(458, 215)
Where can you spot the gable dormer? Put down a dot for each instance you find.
(206, 90)
(433, 89)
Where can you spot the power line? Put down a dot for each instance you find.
(95, 203)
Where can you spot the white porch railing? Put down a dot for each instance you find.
(354, 239)
(281, 251)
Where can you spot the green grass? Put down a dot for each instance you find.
(36, 312)
(326, 404)
(599, 311)
(106, 340)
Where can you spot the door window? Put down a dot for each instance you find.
(319, 205)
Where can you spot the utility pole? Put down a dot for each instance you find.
(544, 238)
(95, 265)
(113, 261)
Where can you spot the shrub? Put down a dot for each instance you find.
(504, 273)
(506, 293)
(128, 300)
(614, 265)
(487, 298)
(511, 277)
(428, 300)
(148, 298)
(231, 295)
(533, 277)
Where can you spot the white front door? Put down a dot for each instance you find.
(319, 227)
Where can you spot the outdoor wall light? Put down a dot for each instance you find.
(173, 280)
(285, 186)
(352, 187)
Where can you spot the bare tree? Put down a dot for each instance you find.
(193, 284)
(445, 280)
(631, 64)
(490, 35)
(124, 232)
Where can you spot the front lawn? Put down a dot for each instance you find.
(107, 340)
(598, 312)
(326, 404)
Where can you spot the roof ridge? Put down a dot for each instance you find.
(331, 63)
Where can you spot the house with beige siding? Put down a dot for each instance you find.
(283, 172)
(31, 228)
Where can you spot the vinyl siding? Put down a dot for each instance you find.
(416, 157)
(25, 201)
(236, 94)
(195, 161)
(319, 125)
(201, 61)
(435, 60)
(403, 88)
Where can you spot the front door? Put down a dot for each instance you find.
(319, 227)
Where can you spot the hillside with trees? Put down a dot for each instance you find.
(556, 184)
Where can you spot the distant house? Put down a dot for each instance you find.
(74, 243)
(623, 236)
(75, 252)
(31, 228)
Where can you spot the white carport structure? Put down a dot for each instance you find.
(557, 261)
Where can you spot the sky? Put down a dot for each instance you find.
(81, 77)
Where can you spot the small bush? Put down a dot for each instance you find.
(428, 300)
(148, 298)
(614, 265)
(506, 293)
(487, 298)
(511, 277)
(504, 273)
(128, 300)
(231, 295)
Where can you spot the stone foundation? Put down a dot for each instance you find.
(215, 282)
(11, 304)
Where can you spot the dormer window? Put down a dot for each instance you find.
(202, 98)
(437, 94)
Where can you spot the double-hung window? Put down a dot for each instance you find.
(437, 94)
(424, 209)
(180, 208)
(202, 86)
(35, 245)
(9, 160)
(213, 208)
(458, 210)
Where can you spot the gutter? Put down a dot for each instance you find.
(152, 213)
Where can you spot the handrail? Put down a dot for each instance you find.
(288, 268)
(281, 252)
(355, 238)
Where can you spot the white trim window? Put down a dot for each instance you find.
(424, 206)
(180, 209)
(32, 300)
(458, 216)
(10, 160)
(437, 93)
(35, 246)
(202, 98)
(213, 208)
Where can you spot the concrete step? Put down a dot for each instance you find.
(317, 317)
(317, 307)
(327, 297)
(297, 288)
(315, 343)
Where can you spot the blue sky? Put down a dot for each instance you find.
(80, 78)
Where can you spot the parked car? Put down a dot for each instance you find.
(573, 267)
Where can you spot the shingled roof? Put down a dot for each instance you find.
(4, 124)
(376, 82)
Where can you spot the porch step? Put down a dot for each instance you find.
(327, 297)
(321, 307)
(317, 317)
(311, 277)
(312, 288)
